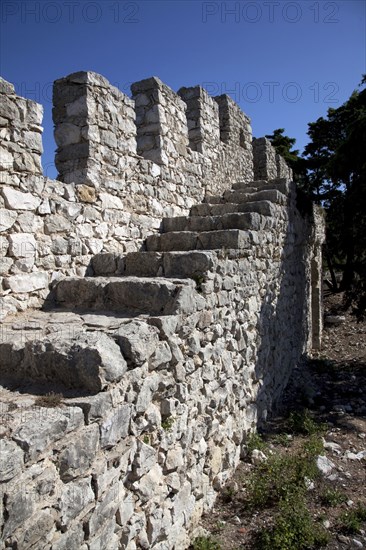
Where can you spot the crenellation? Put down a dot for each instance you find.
(235, 126)
(162, 134)
(202, 119)
(267, 163)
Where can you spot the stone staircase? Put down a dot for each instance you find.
(81, 341)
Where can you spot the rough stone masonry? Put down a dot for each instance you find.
(154, 300)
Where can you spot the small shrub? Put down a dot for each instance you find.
(255, 441)
(281, 477)
(294, 528)
(206, 543)
(313, 446)
(284, 440)
(49, 400)
(351, 522)
(303, 423)
(332, 497)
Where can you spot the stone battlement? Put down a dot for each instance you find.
(162, 290)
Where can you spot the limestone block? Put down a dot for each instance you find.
(7, 219)
(36, 434)
(59, 245)
(83, 360)
(20, 284)
(71, 540)
(16, 200)
(146, 392)
(20, 506)
(106, 538)
(115, 427)
(137, 341)
(33, 141)
(86, 193)
(162, 356)
(6, 159)
(29, 222)
(78, 108)
(36, 529)
(34, 112)
(22, 245)
(5, 263)
(66, 134)
(105, 509)
(110, 201)
(174, 459)
(77, 457)
(183, 503)
(75, 500)
(6, 87)
(55, 223)
(95, 246)
(11, 460)
(151, 484)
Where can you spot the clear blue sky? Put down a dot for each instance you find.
(284, 62)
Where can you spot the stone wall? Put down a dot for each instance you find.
(120, 169)
(132, 458)
(154, 407)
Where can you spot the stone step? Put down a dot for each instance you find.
(64, 350)
(282, 185)
(244, 194)
(155, 264)
(209, 240)
(129, 295)
(263, 207)
(240, 196)
(218, 199)
(231, 220)
(169, 264)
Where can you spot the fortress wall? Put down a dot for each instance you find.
(108, 197)
(139, 462)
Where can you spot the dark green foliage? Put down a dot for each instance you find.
(351, 522)
(336, 177)
(255, 441)
(281, 477)
(301, 422)
(293, 528)
(333, 497)
(205, 543)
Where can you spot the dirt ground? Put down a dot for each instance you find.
(332, 387)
